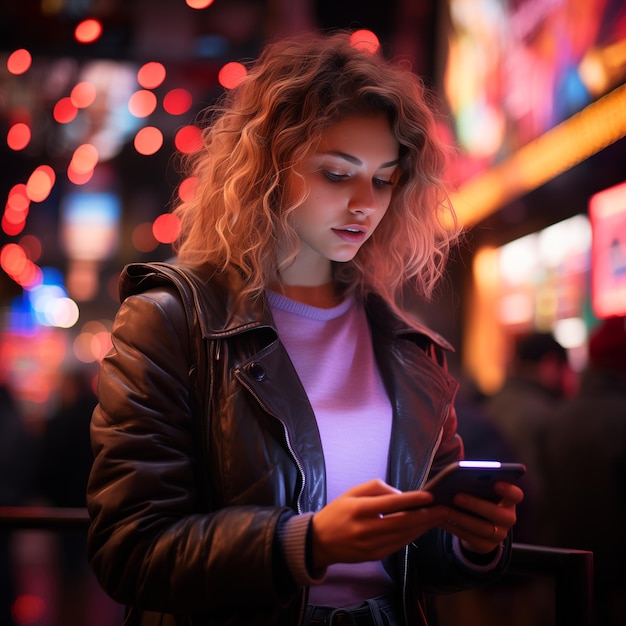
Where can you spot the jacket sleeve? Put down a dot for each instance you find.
(149, 543)
(442, 568)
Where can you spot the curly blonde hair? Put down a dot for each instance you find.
(258, 131)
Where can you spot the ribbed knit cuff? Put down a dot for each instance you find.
(293, 536)
(478, 562)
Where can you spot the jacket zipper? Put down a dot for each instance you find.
(303, 595)
(405, 572)
(287, 441)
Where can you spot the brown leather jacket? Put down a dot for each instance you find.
(195, 461)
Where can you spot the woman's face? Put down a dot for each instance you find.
(348, 179)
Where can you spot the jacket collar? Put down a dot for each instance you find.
(225, 314)
(230, 317)
(221, 314)
(384, 318)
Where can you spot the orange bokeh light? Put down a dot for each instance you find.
(18, 198)
(187, 188)
(40, 183)
(88, 31)
(85, 158)
(31, 277)
(151, 75)
(13, 258)
(142, 103)
(177, 101)
(92, 345)
(18, 266)
(199, 4)
(16, 210)
(188, 139)
(76, 177)
(19, 61)
(18, 136)
(83, 94)
(148, 140)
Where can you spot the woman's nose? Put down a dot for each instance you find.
(362, 200)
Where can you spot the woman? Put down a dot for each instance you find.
(271, 473)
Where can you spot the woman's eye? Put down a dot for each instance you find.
(333, 177)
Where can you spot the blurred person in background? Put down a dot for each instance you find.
(539, 378)
(584, 465)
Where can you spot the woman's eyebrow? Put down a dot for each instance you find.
(354, 160)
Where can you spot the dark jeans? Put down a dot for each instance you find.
(381, 611)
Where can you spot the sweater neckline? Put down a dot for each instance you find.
(288, 305)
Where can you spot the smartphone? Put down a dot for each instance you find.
(476, 478)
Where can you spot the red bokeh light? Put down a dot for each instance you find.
(18, 266)
(28, 609)
(199, 4)
(76, 177)
(231, 74)
(148, 140)
(365, 40)
(15, 217)
(9, 228)
(19, 61)
(12, 258)
(188, 139)
(64, 111)
(151, 75)
(16, 210)
(83, 94)
(85, 158)
(88, 31)
(187, 188)
(177, 101)
(18, 136)
(18, 198)
(166, 228)
(40, 183)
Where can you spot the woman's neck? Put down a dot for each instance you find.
(324, 296)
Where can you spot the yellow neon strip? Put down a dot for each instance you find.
(597, 126)
(484, 343)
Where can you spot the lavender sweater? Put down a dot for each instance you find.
(332, 352)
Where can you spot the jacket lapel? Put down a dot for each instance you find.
(421, 392)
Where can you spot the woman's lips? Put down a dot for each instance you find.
(350, 235)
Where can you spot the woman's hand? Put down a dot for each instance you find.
(485, 525)
(370, 521)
